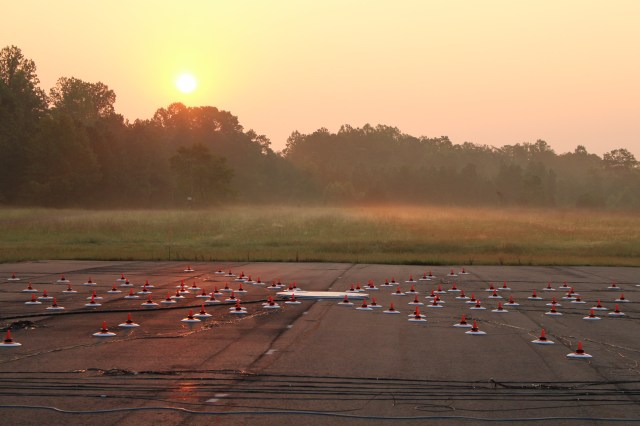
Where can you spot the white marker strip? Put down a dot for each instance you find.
(217, 397)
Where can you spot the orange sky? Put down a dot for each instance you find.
(490, 72)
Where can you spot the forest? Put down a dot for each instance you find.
(70, 148)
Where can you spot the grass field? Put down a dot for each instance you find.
(439, 236)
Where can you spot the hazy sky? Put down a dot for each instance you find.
(485, 71)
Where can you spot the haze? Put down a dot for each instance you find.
(490, 72)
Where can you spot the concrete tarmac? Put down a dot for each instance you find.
(319, 361)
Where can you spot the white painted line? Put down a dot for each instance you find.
(270, 351)
(217, 397)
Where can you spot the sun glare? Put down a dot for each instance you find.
(186, 83)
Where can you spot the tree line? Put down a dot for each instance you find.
(69, 148)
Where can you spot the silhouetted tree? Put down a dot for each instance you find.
(202, 179)
(63, 169)
(22, 104)
(620, 159)
(83, 101)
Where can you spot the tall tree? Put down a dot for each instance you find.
(620, 159)
(202, 178)
(22, 103)
(63, 169)
(83, 101)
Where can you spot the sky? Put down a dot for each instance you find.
(492, 72)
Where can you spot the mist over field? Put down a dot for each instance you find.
(373, 234)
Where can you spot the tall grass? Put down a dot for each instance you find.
(358, 234)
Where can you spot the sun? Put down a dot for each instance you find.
(186, 83)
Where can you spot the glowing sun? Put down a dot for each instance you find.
(186, 83)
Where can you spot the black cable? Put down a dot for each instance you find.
(316, 413)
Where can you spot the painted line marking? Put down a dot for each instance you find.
(217, 397)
